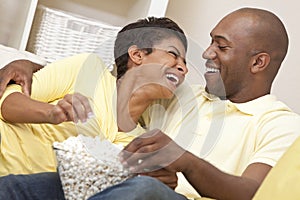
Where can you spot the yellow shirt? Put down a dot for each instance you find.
(283, 180)
(27, 148)
(229, 135)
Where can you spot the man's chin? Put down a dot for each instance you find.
(216, 91)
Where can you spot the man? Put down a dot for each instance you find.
(241, 131)
(246, 128)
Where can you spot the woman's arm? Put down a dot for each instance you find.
(59, 83)
(53, 84)
(18, 108)
(20, 72)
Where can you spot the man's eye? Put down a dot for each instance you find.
(222, 47)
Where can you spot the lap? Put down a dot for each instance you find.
(47, 186)
(141, 187)
(40, 186)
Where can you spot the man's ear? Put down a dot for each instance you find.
(135, 55)
(260, 62)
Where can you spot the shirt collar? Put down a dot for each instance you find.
(210, 97)
(258, 105)
(261, 104)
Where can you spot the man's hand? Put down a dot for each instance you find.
(73, 107)
(152, 151)
(20, 72)
(165, 176)
(155, 150)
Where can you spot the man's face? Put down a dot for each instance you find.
(227, 58)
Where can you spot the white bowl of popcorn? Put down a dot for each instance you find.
(87, 166)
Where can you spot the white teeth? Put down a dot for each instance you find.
(208, 69)
(173, 78)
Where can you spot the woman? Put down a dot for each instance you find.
(79, 95)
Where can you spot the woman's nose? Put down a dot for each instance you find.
(181, 67)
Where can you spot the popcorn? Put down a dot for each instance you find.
(87, 166)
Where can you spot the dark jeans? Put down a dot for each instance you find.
(47, 186)
(40, 186)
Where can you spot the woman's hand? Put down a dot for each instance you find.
(73, 107)
(20, 72)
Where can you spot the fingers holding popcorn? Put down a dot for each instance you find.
(73, 107)
(152, 151)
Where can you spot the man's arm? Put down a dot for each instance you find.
(211, 182)
(155, 149)
(19, 72)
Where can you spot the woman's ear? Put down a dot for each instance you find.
(260, 62)
(135, 55)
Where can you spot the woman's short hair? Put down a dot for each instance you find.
(144, 33)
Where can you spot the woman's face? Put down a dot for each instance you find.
(163, 70)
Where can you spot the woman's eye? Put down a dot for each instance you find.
(175, 55)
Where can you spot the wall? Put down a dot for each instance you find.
(113, 12)
(13, 31)
(198, 18)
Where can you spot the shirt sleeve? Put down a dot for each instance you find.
(9, 55)
(275, 134)
(283, 180)
(62, 77)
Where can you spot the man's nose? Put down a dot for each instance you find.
(209, 53)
